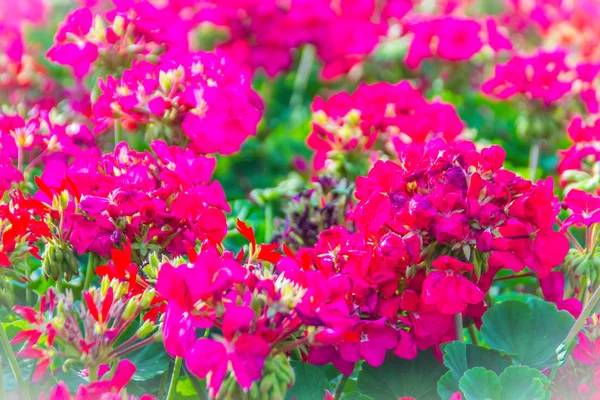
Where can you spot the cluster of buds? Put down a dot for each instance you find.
(325, 203)
(59, 261)
(86, 334)
(277, 376)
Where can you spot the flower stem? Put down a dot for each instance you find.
(534, 158)
(473, 334)
(268, 222)
(174, 378)
(118, 132)
(302, 75)
(163, 383)
(587, 310)
(458, 327)
(12, 360)
(515, 276)
(340, 387)
(89, 272)
(1, 379)
(92, 373)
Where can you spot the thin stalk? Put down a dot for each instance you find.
(163, 383)
(458, 327)
(92, 373)
(1, 379)
(534, 159)
(302, 75)
(12, 361)
(89, 272)
(28, 290)
(587, 310)
(340, 387)
(473, 334)
(118, 132)
(515, 276)
(174, 378)
(59, 284)
(268, 222)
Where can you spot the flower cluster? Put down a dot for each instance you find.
(162, 202)
(374, 117)
(111, 41)
(199, 100)
(343, 32)
(87, 333)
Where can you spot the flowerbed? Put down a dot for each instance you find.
(353, 199)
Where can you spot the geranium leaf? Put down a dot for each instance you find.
(480, 384)
(528, 331)
(311, 382)
(398, 377)
(523, 383)
(150, 361)
(459, 357)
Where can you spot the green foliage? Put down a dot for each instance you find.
(311, 382)
(398, 377)
(530, 332)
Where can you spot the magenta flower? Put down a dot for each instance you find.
(447, 288)
(245, 357)
(369, 341)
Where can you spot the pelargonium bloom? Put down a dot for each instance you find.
(198, 99)
(447, 288)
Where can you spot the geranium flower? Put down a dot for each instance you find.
(447, 289)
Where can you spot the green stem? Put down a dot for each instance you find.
(12, 360)
(27, 288)
(534, 159)
(118, 132)
(587, 310)
(473, 334)
(458, 327)
(92, 373)
(1, 379)
(59, 284)
(340, 387)
(89, 272)
(163, 383)
(268, 222)
(174, 378)
(302, 75)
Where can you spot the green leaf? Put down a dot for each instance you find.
(150, 361)
(398, 377)
(480, 384)
(523, 383)
(528, 331)
(460, 357)
(355, 396)
(311, 382)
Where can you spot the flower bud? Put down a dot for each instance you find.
(147, 298)
(131, 309)
(145, 330)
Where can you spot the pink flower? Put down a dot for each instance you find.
(553, 289)
(245, 357)
(585, 208)
(447, 289)
(369, 341)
